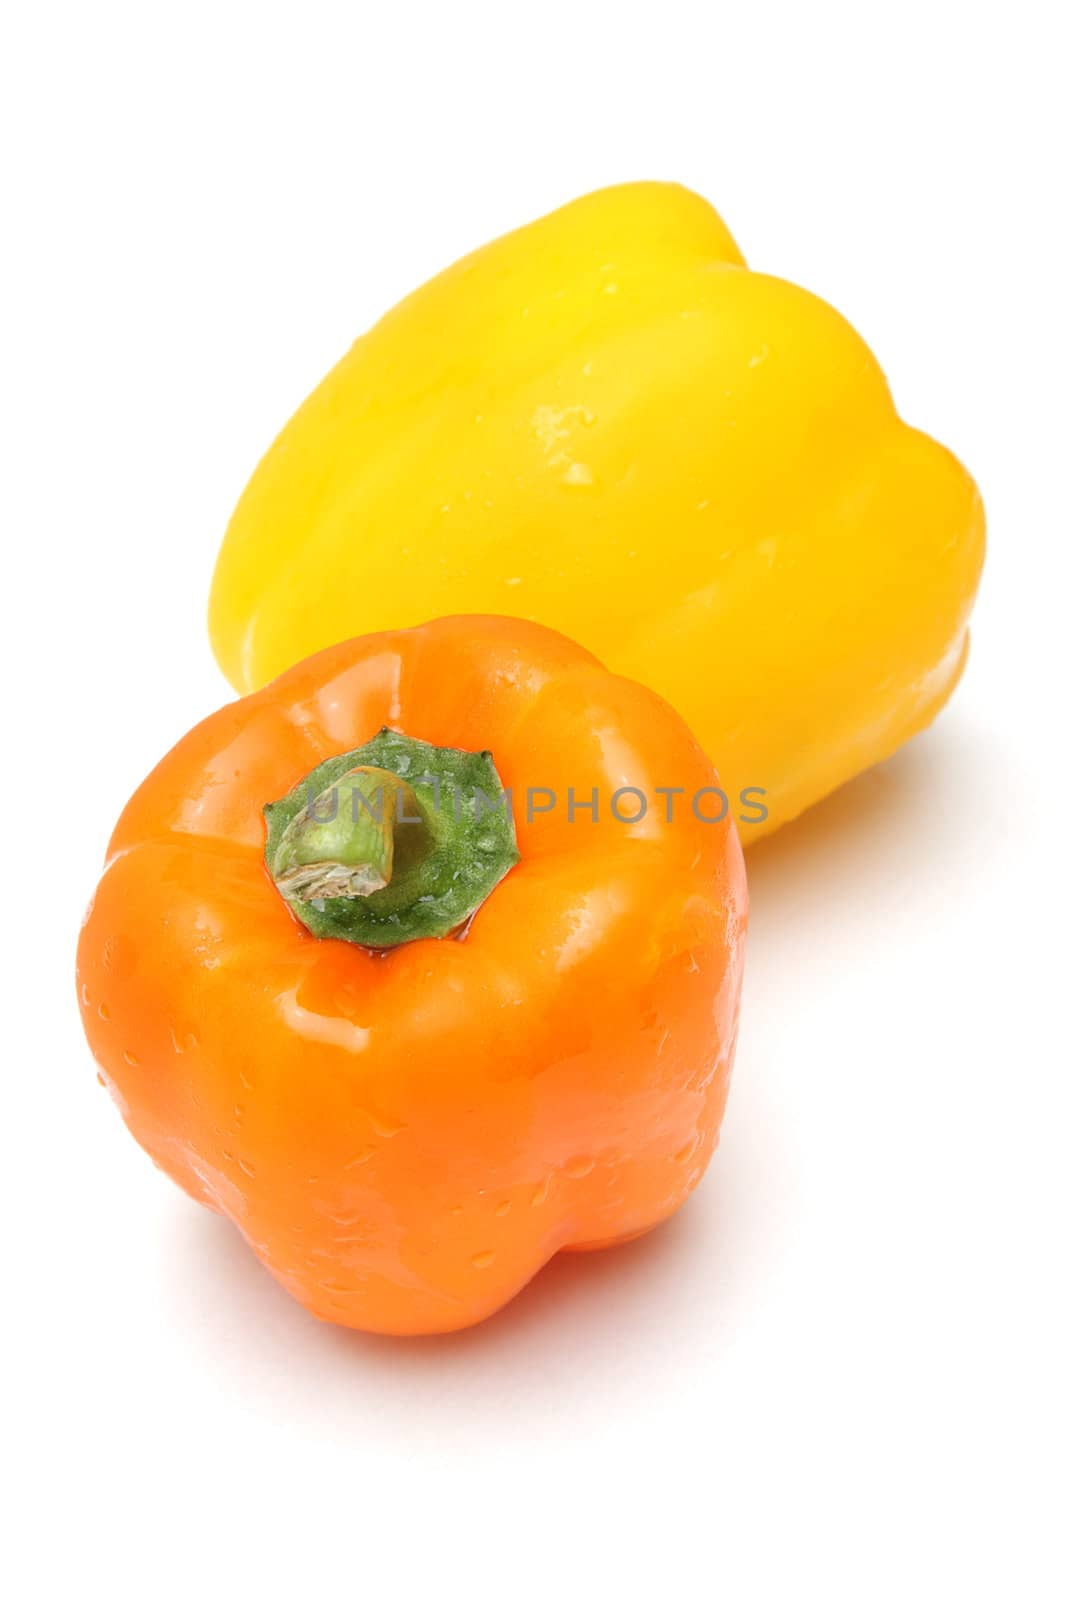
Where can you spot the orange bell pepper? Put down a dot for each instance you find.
(411, 1064)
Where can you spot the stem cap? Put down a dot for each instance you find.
(396, 840)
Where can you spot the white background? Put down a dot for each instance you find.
(841, 1369)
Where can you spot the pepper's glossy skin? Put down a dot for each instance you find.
(405, 1138)
(604, 422)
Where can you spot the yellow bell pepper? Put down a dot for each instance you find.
(605, 423)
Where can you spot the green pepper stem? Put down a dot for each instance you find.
(341, 845)
(338, 851)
